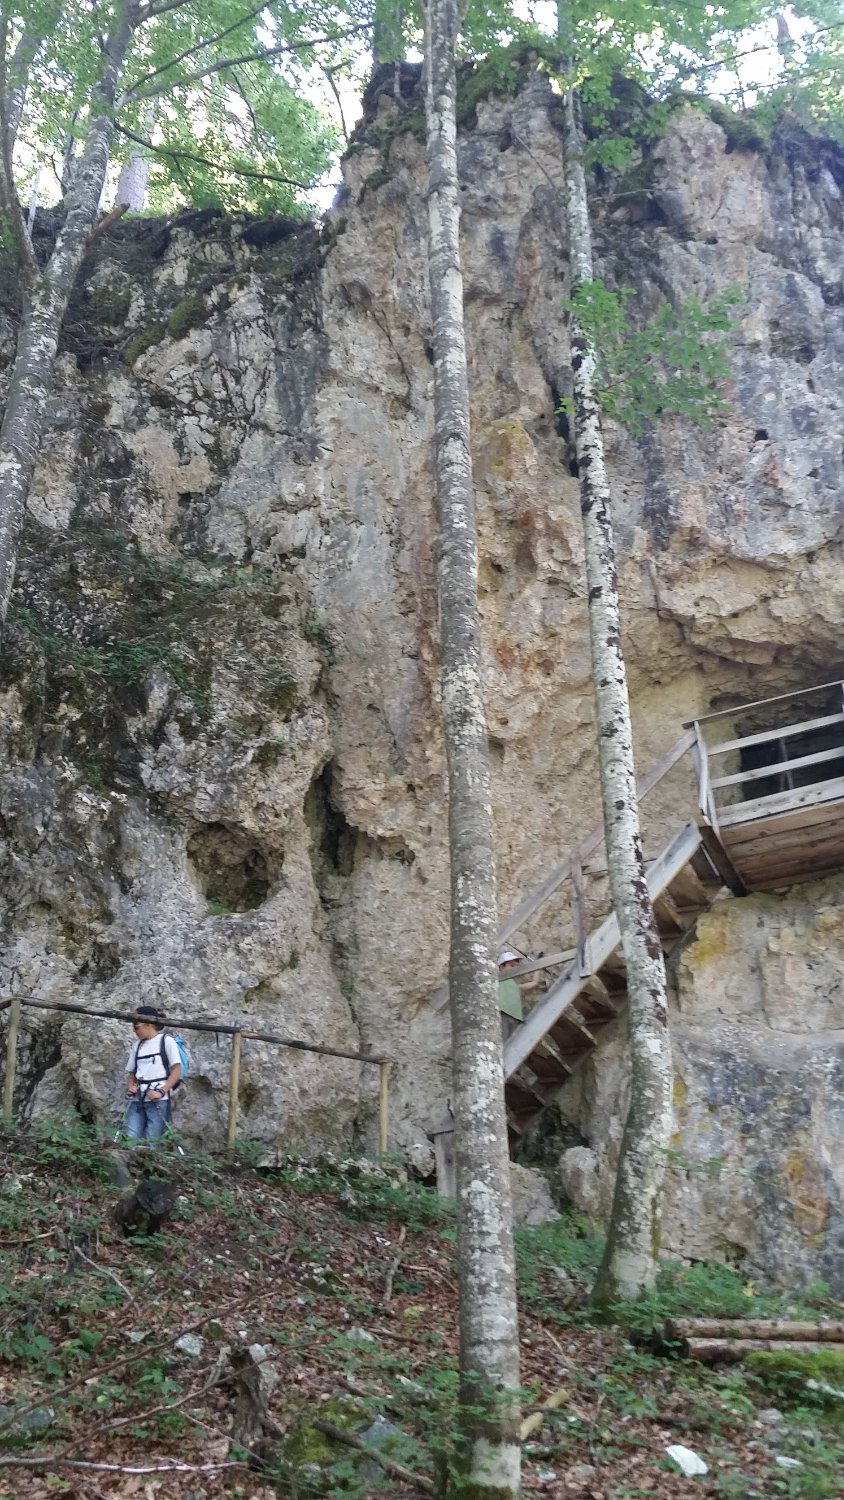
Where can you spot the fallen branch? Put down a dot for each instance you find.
(388, 1464)
(170, 1466)
(104, 1271)
(154, 1411)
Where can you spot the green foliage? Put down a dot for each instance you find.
(670, 366)
(806, 1380)
(146, 339)
(219, 98)
(569, 1244)
(502, 72)
(744, 132)
(190, 313)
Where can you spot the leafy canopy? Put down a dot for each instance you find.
(219, 94)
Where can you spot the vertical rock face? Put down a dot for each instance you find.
(222, 775)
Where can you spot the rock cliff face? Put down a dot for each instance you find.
(222, 774)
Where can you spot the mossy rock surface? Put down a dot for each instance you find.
(190, 313)
(146, 339)
(307, 1444)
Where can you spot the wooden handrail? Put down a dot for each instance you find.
(541, 893)
(764, 736)
(740, 708)
(238, 1034)
(220, 1028)
(777, 767)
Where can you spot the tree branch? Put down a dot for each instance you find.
(341, 1436)
(18, 80)
(206, 161)
(329, 73)
(106, 223)
(261, 55)
(151, 11)
(189, 51)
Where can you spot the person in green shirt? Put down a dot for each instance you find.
(510, 991)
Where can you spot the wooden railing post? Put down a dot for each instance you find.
(383, 1105)
(706, 800)
(11, 1061)
(234, 1091)
(579, 905)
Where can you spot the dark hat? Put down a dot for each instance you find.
(147, 1013)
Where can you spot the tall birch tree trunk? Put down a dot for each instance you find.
(45, 295)
(489, 1357)
(630, 1258)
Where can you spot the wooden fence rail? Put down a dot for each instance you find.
(238, 1034)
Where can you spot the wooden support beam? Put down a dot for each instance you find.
(721, 860)
(383, 1106)
(444, 1163)
(579, 905)
(689, 892)
(234, 1092)
(11, 1061)
(664, 907)
(595, 986)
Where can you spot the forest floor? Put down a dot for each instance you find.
(119, 1357)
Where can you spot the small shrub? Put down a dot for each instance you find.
(146, 339)
(190, 313)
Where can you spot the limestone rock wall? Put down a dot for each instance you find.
(223, 779)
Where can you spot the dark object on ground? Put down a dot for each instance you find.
(143, 1209)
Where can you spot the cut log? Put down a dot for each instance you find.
(824, 1331)
(716, 1351)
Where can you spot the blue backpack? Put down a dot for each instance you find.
(184, 1056)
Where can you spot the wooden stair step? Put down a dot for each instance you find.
(668, 914)
(573, 1018)
(547, 1060)
(608, 991)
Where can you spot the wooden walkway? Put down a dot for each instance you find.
(764, 809)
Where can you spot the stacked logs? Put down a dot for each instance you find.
(713, 1340)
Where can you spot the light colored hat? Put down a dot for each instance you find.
(509, 956)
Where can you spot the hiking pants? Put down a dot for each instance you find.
(147, 1120)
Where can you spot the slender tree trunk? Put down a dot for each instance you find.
(630, 1258)
(132, 184)
(45, 298)
(488, 1313)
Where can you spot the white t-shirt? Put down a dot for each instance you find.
(146, 1063)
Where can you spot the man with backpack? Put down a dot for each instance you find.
(156, 1068)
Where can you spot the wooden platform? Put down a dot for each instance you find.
(778, 848)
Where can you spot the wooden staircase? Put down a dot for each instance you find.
(565, 1026)
(775, 817)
